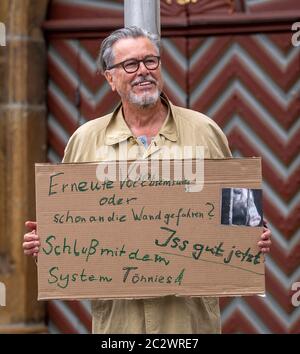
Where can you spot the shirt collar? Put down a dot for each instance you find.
(117, 130)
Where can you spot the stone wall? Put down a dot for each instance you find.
(22, 143)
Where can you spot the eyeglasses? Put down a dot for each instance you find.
(151, 62)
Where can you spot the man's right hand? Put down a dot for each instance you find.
(31, 244)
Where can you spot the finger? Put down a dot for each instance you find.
(265, 250)
(266, 235)
(32, 252)
(29, 252)
(31, 237)
(31, 225)
(265, 222)
(31, 244)
(28, 245)
(264, 239)
(31, 234)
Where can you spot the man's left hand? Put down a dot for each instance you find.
(265, 240)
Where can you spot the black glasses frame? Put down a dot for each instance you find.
(122, 63)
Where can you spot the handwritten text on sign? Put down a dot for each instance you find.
(134, 239)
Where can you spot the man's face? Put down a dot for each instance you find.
(143, 87)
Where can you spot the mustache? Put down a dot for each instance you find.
(140, 80)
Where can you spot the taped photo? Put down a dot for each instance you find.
(241, 206)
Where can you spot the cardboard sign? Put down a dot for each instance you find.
(147, 237)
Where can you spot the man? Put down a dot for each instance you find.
(145, 119)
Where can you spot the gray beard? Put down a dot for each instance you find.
(145, 100)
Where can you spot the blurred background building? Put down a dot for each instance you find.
(233, 60)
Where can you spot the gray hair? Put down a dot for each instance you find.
(106, 56)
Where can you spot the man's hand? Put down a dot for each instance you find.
(265, 240)
(31, 244)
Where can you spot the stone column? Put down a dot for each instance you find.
(22, 143)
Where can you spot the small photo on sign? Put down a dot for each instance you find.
(241, 206)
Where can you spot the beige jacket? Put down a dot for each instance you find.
(101, 139)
